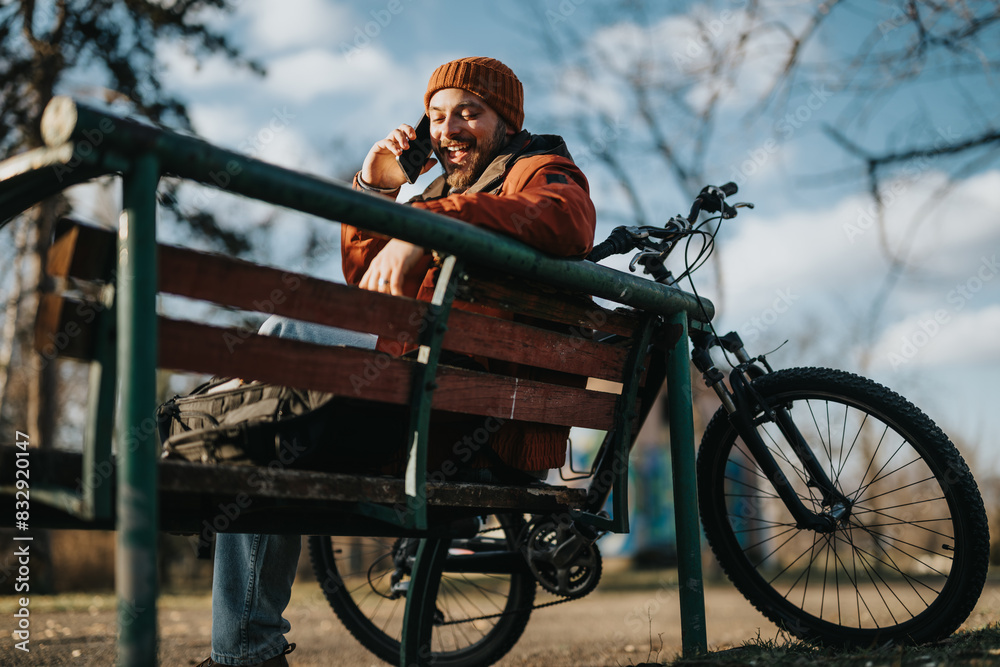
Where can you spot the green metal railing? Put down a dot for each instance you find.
(83, 143)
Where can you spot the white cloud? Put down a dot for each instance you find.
(297, 23)
(838, 250)
(225, 124)
(679, 52)
(939, 337)
(275, 137)
(305, 75)
(192, 75)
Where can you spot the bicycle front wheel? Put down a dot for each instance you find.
(907, 560)
(479, 615)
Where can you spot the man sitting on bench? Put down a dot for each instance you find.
(496, 176)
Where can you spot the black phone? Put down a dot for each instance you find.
(413, 159)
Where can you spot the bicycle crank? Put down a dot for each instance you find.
(562, 560)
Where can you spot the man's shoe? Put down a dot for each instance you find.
(276, 661)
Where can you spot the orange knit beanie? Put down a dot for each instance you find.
(490, 79)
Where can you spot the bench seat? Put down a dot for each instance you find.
(260, 499)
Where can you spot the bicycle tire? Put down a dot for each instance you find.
(358, 596)
(913, 551)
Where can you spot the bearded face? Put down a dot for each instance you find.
(465, 157)
(466, 135)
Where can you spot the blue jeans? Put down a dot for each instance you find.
(254, 573)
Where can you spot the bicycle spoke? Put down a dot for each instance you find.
(905, 486)
(900, 505)
(878, 475)
(854, 442)
(893, 542)
(763, 521)
(790, 530)
(835, 476)
(760, 492)
(861, 599)
(916, 524)
(789, 566)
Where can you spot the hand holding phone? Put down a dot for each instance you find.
(413, 159)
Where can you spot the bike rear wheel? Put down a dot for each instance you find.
(480, 614)
(908, 561)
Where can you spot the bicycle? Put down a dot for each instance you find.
(835, 506)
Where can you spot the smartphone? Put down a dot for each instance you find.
(413, 159)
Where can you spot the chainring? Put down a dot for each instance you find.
(562, 561)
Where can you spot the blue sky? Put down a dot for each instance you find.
(804, 265)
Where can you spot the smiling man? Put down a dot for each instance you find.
(497, 176)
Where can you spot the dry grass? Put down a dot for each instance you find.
(967, 648)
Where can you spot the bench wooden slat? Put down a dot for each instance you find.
(257, 288)
(63, 328)
(84, 252)
(185, 481)
(324, 486)
(375, 376)
(511, 341)
(547, 304)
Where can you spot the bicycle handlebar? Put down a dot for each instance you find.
(711, 199)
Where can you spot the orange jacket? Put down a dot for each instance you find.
(535, 193)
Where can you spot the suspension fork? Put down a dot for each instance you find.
(741, 404)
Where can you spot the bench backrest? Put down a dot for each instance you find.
(584, 347)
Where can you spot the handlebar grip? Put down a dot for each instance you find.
(601, 251)
(729, 188)
(618, 242)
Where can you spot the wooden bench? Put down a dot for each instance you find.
(597, 346)
(603, 366)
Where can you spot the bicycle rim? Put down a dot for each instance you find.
(907, 562)
(480, 616)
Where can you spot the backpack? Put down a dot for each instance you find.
(227, 421)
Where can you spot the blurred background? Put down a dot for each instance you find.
(867, 134)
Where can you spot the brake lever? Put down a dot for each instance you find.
(639, 256)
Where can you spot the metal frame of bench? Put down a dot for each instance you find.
(84, 143)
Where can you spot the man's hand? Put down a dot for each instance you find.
(390, 266)
(380, 168)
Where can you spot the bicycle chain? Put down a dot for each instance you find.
(512, 611)
(508, 613)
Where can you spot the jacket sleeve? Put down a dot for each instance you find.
(545, 202)
(357, 249)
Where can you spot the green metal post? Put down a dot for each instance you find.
(97, 459)
(692, 594)
(422, 390)
(136, 429)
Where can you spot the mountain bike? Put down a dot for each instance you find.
(835, 506)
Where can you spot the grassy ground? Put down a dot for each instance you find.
(78, 629)
(967, 648)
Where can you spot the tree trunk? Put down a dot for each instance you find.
(11, 311)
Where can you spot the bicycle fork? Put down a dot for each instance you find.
(742, 403)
